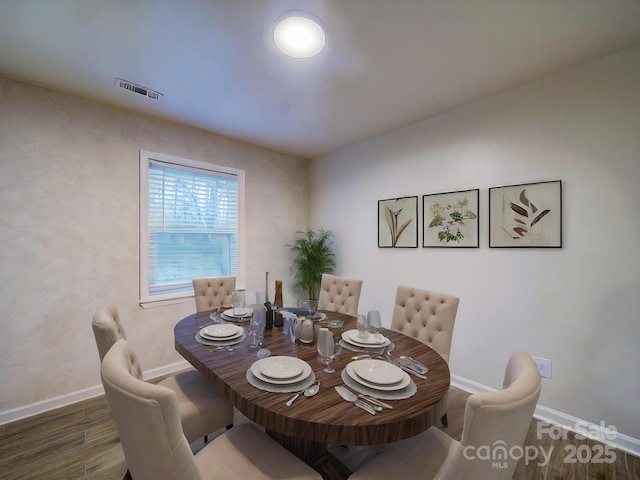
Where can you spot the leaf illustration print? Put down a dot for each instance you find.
(524, 212)
(392, 221)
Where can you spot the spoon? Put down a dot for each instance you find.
(309, 392)
(312, 390)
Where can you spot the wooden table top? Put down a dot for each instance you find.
(326, 417)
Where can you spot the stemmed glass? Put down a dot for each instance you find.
(336, 328)
(237, 301)
(374, 321)
(363, 327)
(290, 329)
(326, 345)
(256, 327)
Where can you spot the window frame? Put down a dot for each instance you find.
(145, 299)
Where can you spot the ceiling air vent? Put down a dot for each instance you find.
(132, 87)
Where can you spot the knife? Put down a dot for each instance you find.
(353, 398)
(375, 401)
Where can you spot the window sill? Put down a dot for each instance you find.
(166, 301)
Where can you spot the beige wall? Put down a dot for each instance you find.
(69, 233)
(579, 305)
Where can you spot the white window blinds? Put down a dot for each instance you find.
(193, 221)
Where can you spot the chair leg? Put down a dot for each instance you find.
(228, 427)
(445, 423)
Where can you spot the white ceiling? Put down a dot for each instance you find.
(386, 64)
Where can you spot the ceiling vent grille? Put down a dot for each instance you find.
(139, 89)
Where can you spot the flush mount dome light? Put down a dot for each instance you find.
(299, 34)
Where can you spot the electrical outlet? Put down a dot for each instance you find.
(544, 366)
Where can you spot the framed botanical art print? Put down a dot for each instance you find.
(526, 215)
(451, 219)
(398, 223)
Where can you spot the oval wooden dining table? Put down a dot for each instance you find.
(310, 424)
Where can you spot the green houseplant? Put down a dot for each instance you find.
(313, 257)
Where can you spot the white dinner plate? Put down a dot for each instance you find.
(378, 371)
(256, 371)
(235, 319)
(351, 336)
(220, 342)
(221, 331)
(242, 312)
(377, 386)
(282, 367)
(284, 388)
(406, 392)
(219, 339)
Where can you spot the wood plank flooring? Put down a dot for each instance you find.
(80, 442)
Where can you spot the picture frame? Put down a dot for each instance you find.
(451, 219)
(398, 222)
(526, 215)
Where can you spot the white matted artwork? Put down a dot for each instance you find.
(450, 219)
(398, 222)
(526, 215)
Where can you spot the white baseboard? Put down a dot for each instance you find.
(598, 432)
(43, 406)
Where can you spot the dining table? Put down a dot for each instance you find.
(310, 424)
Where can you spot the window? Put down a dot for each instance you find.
(190, 225)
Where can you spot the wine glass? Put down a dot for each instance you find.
(374, 320)
(310, 306)
(256, 327)
(363, 327)
(336, 328)
(237, 301)
(326, 347)
(290, 329)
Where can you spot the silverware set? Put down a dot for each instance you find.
(407, 364)
(349, 396)
(366, 402)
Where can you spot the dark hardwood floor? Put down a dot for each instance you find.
(80, 441)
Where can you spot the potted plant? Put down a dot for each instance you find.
(314, 256)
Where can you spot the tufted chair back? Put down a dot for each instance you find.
(339, 294)
(496, 422)
(212, 293)
(107, 330)
(427, 316)
(497, 418)
(147, 418)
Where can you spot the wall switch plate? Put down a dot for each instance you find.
(544, 366)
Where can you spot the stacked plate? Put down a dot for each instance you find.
(351, 341)
(238, 314)
(379, 379)
(280, 374)
(221, 334)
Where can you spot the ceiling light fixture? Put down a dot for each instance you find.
(299, 34)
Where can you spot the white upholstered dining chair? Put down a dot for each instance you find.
(147, 419)
(211, 293)
(339, 294)
(495, 420)
(203, 409)
(429, 317)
